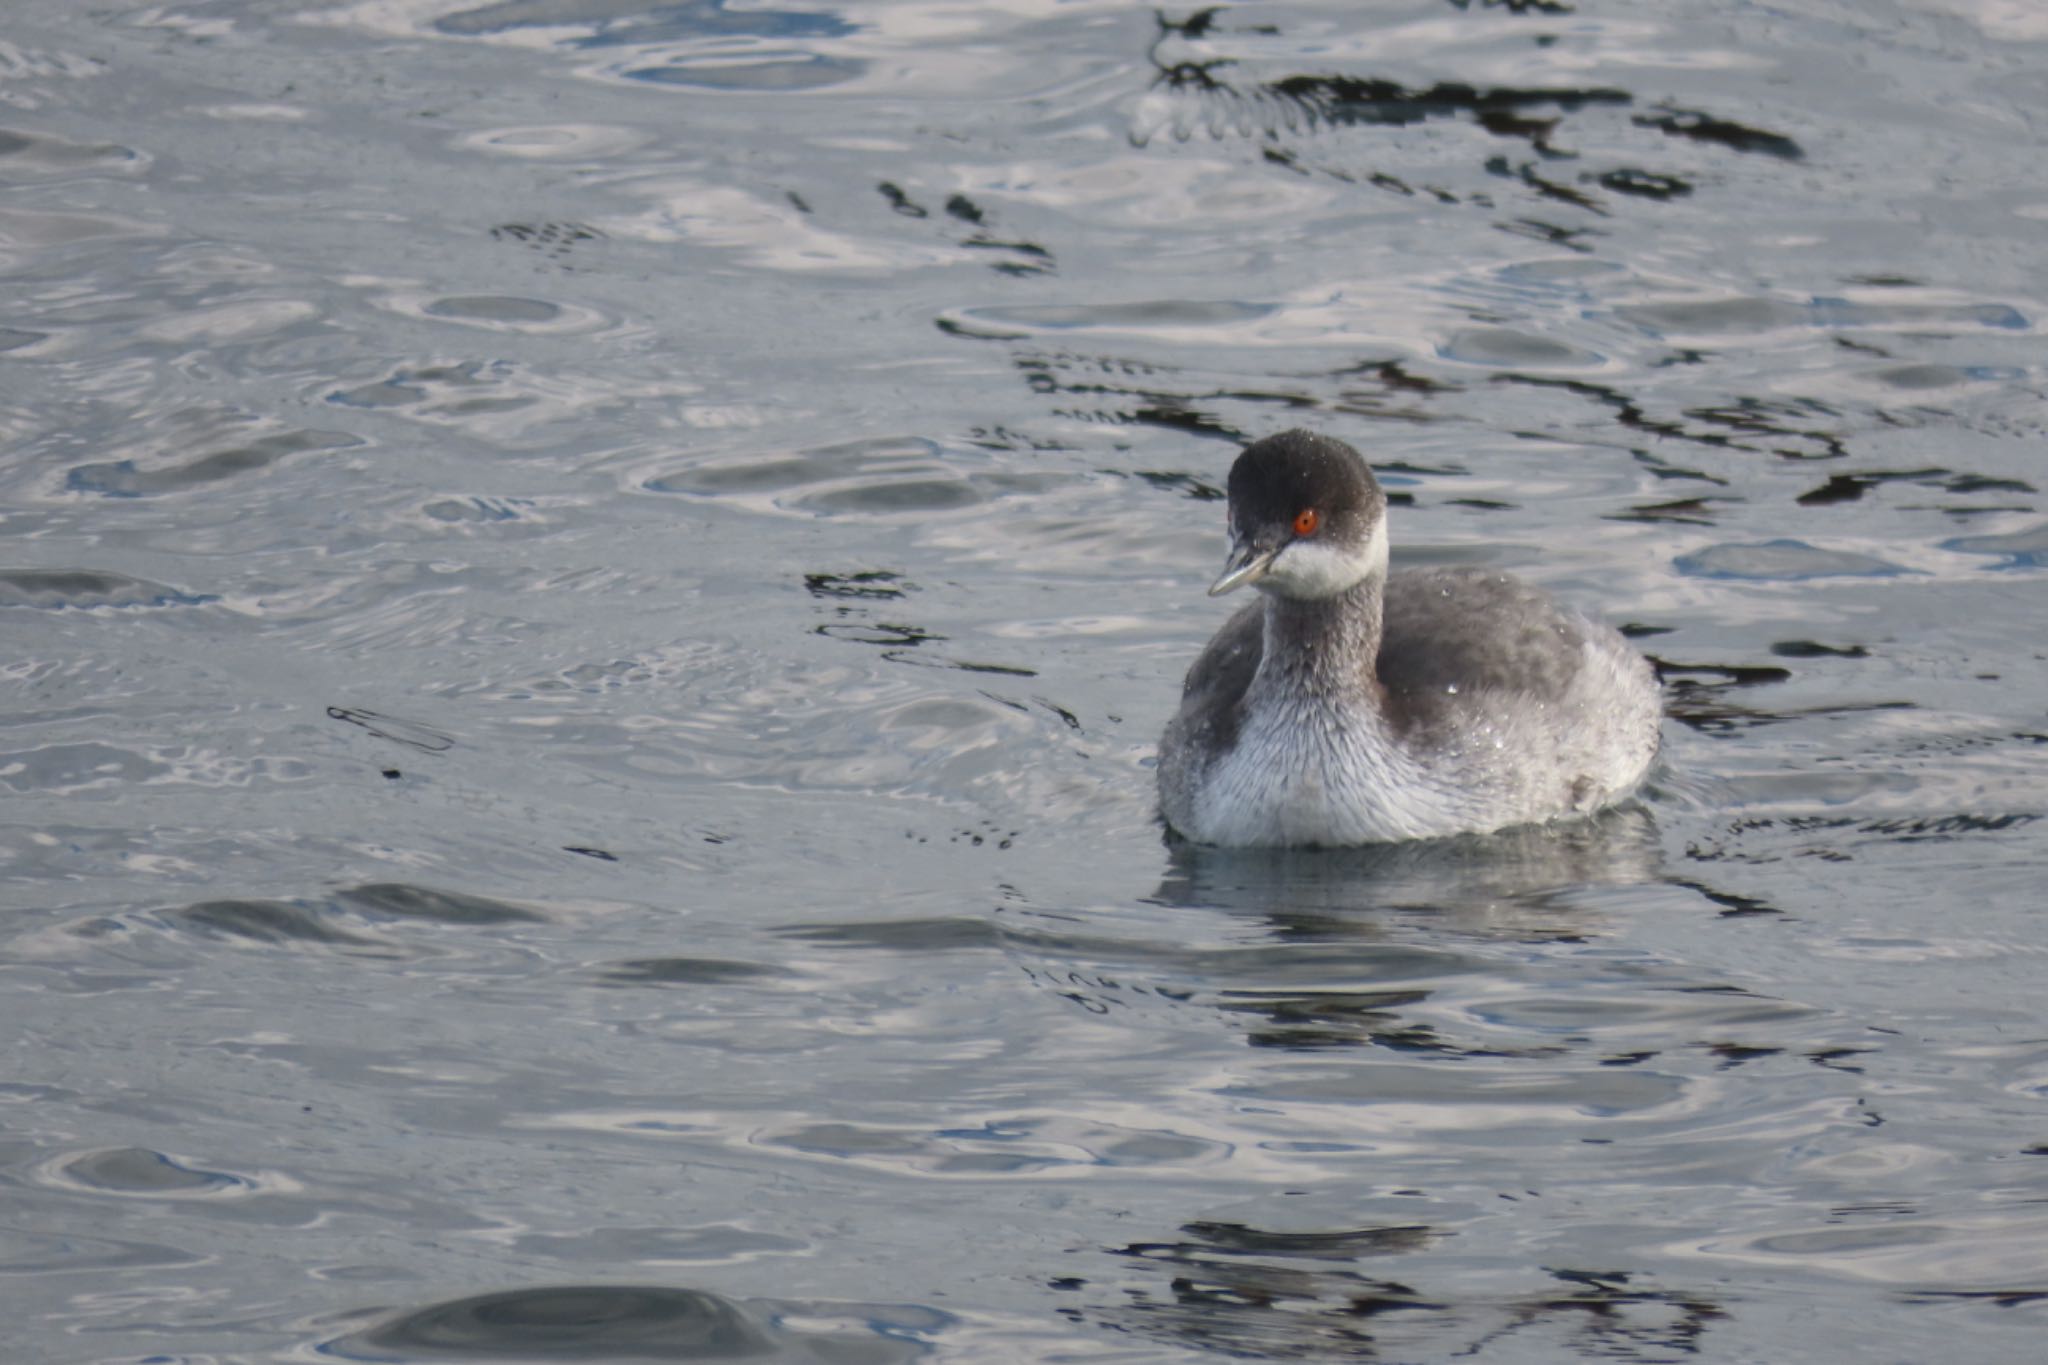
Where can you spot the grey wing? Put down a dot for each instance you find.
(1476, 632)
(1224, 668)
(1217, 680)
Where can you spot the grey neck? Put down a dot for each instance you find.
(1326, 646)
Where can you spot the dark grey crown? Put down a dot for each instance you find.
(1277, 478)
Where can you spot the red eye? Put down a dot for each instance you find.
(1306, 521)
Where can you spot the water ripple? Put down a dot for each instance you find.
(640, 1322)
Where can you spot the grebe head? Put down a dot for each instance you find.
(1307, 519)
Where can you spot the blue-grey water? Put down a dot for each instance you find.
(587, 587)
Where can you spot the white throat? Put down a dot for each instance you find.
(1316, 569)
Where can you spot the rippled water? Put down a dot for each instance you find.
(588, 589)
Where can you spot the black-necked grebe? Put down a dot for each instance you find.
(1355, 706)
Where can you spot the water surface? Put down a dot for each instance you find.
(590, 588)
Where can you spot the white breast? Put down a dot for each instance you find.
(1301, 773)
(1309, 770)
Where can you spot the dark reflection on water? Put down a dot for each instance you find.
(1338, 964)
(1617, 847)
(686, 971)
(635, 1322)
(278, 921)
(273, 922)
(1234, 1291)
(87, 590)
(637, 22)
(131, 1171)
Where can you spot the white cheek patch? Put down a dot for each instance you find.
(1316, 568)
